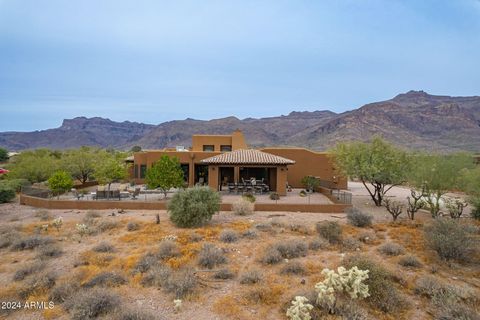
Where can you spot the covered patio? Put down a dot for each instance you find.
(248, 170)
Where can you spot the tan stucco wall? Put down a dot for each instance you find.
(307, 162)
(236, 140)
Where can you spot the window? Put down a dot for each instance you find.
(143, 169)
(208, 147)
(225, 148)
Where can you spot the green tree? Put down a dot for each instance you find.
(166, 173)
(193, 207)
(136, 149)
(80, 163)
(60, 182)
(3, 155)
(36, 166)
(110, 167)
(470, 183)
(310, 182)
(378, 165)
(436, 174)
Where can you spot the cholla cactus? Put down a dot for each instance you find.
(343, 281)
(45, 227)
(300, 309)
(82, 229)
(57, 223)
(177, 304)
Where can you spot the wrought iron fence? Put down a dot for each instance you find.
(36, 192)
(342, 196)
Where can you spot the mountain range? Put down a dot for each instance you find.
(414, 120)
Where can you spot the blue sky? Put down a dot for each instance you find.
(153, 61)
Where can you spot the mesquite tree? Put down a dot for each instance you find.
(378, 165)
(436, 175)
(395, 208)
(415, 202)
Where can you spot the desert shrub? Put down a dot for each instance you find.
(106, 279)
(228, 236)
(438, 291)
(391, 249)
(450, 239)
(62, 292)
(243, 207)
(134, 314)
(181, 283)
(28, 269)
(267, 227)
(105, 225)
(250, 234)
(167, 249)
(249, 197)
(429, 286)
(38, 283)
(278, 223)
(91, 304)
(367, 237)
(193, 207)
(7, 193)
(104, 247)
(330, 230)
(133, 226)
(318, 244)
(475, 212)
(145, 263)
(292, 249)
(358, 218)
(383, 293)
(195, 237)
(210, 256)
(49, 251)
(271, 255)
(15, 184)
(351, 244)
(293, 267)
(30, 242)
(251, 277)
(300, 228)
(8, 237)
(410, 261)
(274, 196)
(43, 215)
(456, 311)
(91, 214)
(223, 274)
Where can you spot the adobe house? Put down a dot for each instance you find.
(216, 160)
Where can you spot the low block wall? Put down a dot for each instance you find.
(142, 205)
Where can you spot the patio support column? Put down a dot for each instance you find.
(282, 180)
(191, 173)
(236, 174)
(213, 177)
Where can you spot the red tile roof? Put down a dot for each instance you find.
(247, 156)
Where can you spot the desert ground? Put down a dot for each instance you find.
(119, 259)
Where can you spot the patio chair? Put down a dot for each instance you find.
(231, 187)
(100, 194)
(240, 187)
(248, 186)
(135, 193)
(115, 194)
